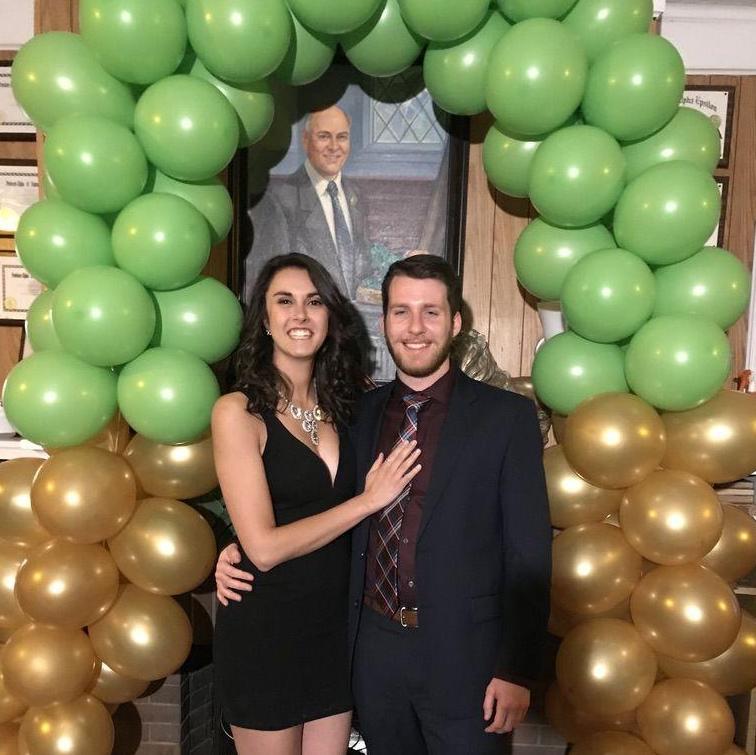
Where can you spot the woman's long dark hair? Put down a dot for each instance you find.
(338, 372)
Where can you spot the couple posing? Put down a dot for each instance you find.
(398, 539)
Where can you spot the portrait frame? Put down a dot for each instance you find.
(718, 101)
(15, 124)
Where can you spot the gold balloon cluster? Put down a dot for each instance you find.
(93, 544)
(642, 568)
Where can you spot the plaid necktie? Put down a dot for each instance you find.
(344, 243)
(389, 522)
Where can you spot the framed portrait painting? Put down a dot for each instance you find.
(357, 172)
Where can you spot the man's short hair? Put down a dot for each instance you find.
(422, 267)
(308, 118)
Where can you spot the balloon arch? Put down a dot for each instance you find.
(142, 110)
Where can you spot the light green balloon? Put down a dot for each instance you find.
(204, 318)
(443, 20)
(138, 41)
(384, 45)
(54, 238)
(576, 176)
(240, 41)
(48, 187)
(521, 10)
(308, 57)
(456, 72)
(536, 77)
(103, 315)
(187, 128)
(333, 16)
(600, 23)
(634, 87)
(55, 74)
(569, 369)
(39, 325)
(712, 283)
(96, 164)
(677, 362)
(689, 136)
(545, 253)
(667, 213)
(608, 295)
(54, 399)
(167, 395)
(507, 161)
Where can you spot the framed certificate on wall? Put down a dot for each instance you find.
(19, 189)
(15, 124)
(17, 24)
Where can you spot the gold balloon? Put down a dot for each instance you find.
(167, 547)
(671, 517)
(11, 558)
(611, 743)
(614, 440)
(67, 584)
(731, 673)
(83, 727)
(593, 568)
(143, 636)
(734, 554)
(165, 471)
(572, 500)
(604, 667)
(686, 612)
(18, 524)
(9, 739)
(44, 664)
(112, 688)
(558, 422)
(114, 437)
(683, 716)
(717, 440)
(11, 707)
(562, 620)
(84, 494)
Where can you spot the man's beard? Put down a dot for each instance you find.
(422, 371)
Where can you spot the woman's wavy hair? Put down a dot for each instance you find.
(338, 372)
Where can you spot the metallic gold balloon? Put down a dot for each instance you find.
(82, 726)
(734, 554)
(671, 517)
(9, 739)
(11, 707)
(114, 438)
(11, 558)
(562, 620)
(18, 524)
(84, 494)
(112, 688)
(604, 667)
(572, 500)
(717, 440)
(731, 673)
(611, 743)
(67, 584)
(558, 422)
(593, 568)
(166, 548)
(165, 471)
(686, 612)
(685, 716)
(614, 440)
(44, 664)
(143, 636)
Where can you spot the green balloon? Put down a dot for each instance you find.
(48, 187)
(39, 324)
(210, 197)
(205, 319)
(677, 362)
(455, 72)
(576, 176)
(522, 10)
(536, 77)
(507, 161)
(167, 395)
(667, 213)
(162, 240)
(600, 23)
(54, 239)
(384, 45)
(139, 41)
(634, 87)
(308, 57)
(443, 20)
(187, 128)
(608, 295)
(54, 399)
(334, 16)
(55, 74)
(569, 369)
(240, 41)
(253, 104)
(103, 315)
(690, 136)
(545, 253)
(96, 164)
(712, 283)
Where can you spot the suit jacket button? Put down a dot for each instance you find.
(362, 555)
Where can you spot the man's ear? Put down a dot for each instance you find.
(457, 323)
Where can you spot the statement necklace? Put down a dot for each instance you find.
(309, 419)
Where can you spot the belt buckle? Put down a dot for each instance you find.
(403, 621)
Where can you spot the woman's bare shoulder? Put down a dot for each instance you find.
(231, 408)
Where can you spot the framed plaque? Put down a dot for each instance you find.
(17, 290)
(15, 124)
(19, 189)
(17, 24)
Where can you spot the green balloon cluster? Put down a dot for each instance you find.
(308, 57)
(442, 20)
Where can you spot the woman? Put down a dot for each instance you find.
(287, 476)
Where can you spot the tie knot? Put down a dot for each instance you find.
(332, 189)
(416, 401)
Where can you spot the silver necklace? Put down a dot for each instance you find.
(309, 419)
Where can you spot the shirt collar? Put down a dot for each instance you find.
(440, 391)
(319, 183)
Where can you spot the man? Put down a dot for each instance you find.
(314, 211)
(449, 586)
